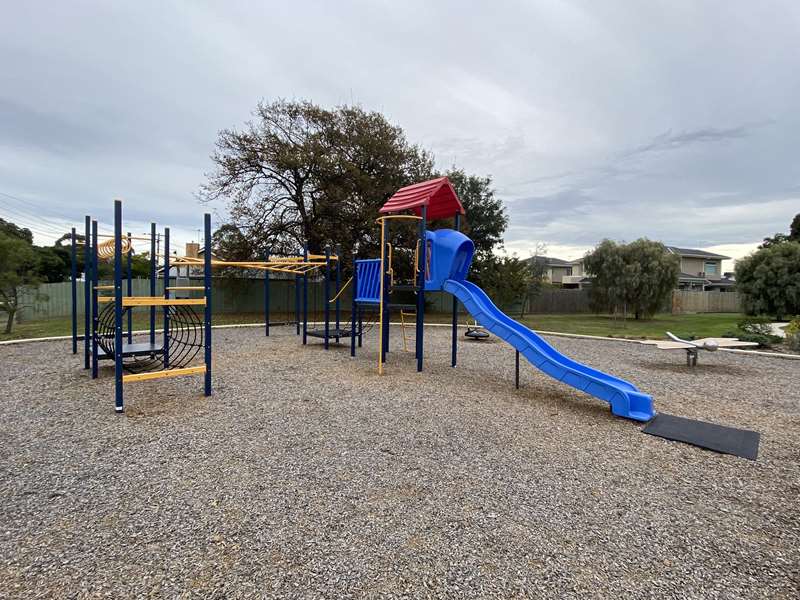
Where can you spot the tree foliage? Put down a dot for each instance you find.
(769, 280)
(301, 174)
(18, 270)
(635, 278)
(486, 219)
(780, 238)
(506, 279)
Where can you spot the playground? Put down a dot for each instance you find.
(308, 474)
(357, 456)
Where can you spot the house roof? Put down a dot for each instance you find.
(695, 253)
(437, 194)
(689, 277)
(551, 261)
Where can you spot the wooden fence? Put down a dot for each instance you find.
(685, 301)
(247, 296)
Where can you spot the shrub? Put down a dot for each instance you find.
(793, 334)
(755, 329)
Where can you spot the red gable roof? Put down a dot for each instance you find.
(437, 194)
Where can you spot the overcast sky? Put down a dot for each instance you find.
(675, 120)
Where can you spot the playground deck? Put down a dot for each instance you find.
(306, 474)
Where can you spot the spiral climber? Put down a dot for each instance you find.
(185, 339)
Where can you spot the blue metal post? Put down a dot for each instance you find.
(360, 325)
(266, 298)
(454, 353)
(166, 295)
(153, 264)
(297, 304)
(130, 292)
(327, 286)
(118, 402)
(421, 287)
(94, 299)
(74, 288)
(385, 306)
(338, 289)
(353, 308)
(87, 292)
(305, 298)
(207, 316)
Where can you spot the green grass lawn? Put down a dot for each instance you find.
(685, 326)
(700, 325)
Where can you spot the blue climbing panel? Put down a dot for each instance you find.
(369, 282)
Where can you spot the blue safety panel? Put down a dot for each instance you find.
(369, 280)
(624, 398)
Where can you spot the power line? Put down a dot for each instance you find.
(33, 223)
(44, 222)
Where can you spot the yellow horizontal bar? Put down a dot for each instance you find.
(104, 287)
(164, 374)
(159, 301)
(322, 257)
(101, 299)
(187, 287)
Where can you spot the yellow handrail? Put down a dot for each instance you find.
(344, 287)
(390, 270)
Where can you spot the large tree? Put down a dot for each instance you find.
(635, 278)
(18, 271)
(780, 238)
(486, 219)
(769, 280)
(301, 174)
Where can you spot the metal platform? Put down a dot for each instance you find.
(332, 333)
(128, 350)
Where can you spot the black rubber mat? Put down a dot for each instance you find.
(728, 440)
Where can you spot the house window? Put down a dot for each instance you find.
(569, 271)
(711, 268)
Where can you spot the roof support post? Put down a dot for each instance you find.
(454, 340)
(421, 287)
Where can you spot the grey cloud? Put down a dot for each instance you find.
(593, 121)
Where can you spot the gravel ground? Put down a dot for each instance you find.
(306, 475)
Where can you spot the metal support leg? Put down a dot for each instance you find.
(87, 293)
(118, 337)
(165, 349)
(130, 292)
(207, 312)
(94, 299)
(74, 289)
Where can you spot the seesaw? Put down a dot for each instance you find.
(693, 347)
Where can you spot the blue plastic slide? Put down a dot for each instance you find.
(624, 398)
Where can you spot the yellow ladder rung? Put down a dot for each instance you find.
(164, 374)
(159, 301)
(104, 287)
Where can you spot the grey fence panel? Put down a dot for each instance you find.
(232, 295)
